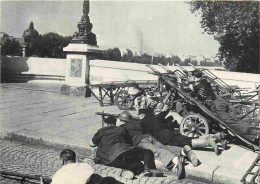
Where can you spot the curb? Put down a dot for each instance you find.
(204, 173)
(84, 151)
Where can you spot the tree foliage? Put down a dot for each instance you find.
(112, 54)
(175, 60)
(235, 24)
(194, 62)
(115, 55)
(128, 56)
(50, 45)
(11, 47)
(186, 62)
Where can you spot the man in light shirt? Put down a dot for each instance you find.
(73, 172)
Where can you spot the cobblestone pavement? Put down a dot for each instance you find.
(27, 159)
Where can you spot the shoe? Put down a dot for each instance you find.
(192, 157)
(179, 168)
(224, 144)
(126, 174)
(152, 173)
(221, 137)
(211, 141)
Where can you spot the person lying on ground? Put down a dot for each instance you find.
(72, 172)
(115, 149)
(167, 155)
(172, 160)
(152, 125)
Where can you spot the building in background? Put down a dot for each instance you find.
(29, 35)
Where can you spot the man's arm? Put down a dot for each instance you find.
(127, 136)
(162, 115)
(97, 137)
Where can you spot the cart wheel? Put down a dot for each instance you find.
(194, 125)
(123, 100)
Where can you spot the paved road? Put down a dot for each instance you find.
(38, 160)
(37, 113)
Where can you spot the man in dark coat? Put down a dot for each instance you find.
(203, 91)
(202, 88)
(243, 127)
(170, 157)
(115, 149)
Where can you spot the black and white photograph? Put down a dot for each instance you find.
(130, 92)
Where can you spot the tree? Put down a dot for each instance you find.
(194, 62)
(186, 62)
(11, 47)
(235, 24)
(128, 56)
(146, 59)
(50, 45)
(175, 60)
(112, 54)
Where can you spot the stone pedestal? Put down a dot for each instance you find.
(78, 68)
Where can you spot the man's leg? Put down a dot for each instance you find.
(126, 161)
(163, 154)
(181, 140)
(130, 160)
(175, 149)
(219, 137)
(203, 142)
(160, 151)
(176, 139)
(136, 167)
(147, 157)
(144, 155)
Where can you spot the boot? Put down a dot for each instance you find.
(178, 168)
(202, 142)
(220, 137)
(191, 155)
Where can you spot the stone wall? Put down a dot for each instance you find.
(33, 65)
(104, 71)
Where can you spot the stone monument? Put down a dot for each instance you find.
(80, 50)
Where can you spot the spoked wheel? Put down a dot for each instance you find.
(194, 125)
(123, 100)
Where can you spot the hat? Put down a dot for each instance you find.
(197, 73)
(110, 120)
(125, 116)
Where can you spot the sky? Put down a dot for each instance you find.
(164, 26)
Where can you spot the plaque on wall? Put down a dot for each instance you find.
(76, 67)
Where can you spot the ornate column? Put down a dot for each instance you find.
(81, 49)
